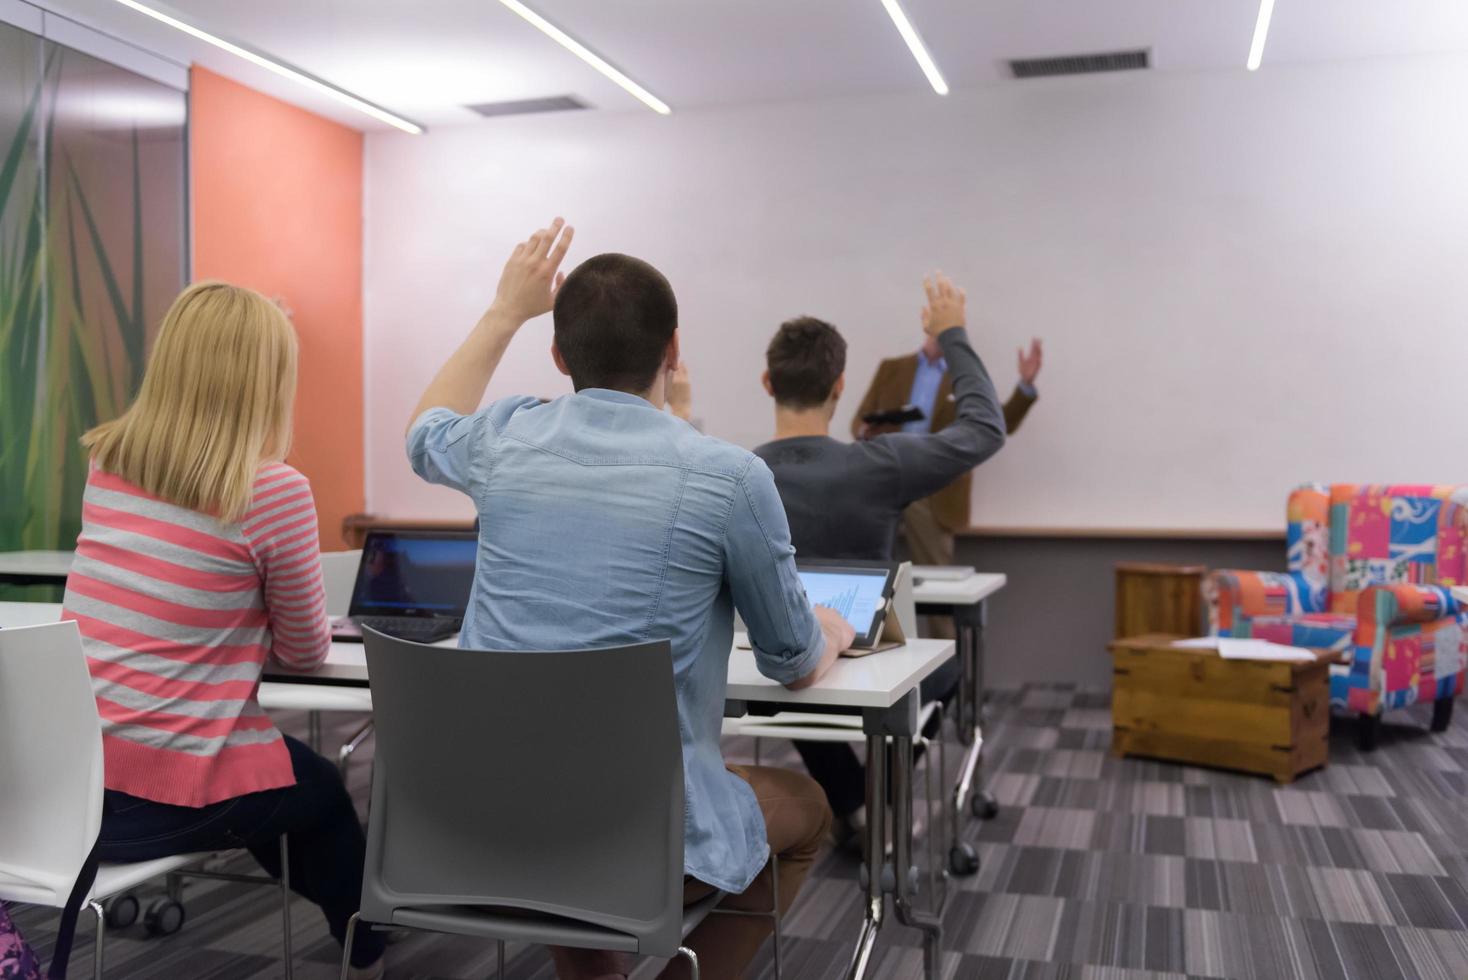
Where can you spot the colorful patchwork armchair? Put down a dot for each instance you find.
(1370, 573)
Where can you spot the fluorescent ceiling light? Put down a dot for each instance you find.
(279, 68)
(915, 45)
(1261, 31)
(589, 56)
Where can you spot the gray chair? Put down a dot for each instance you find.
(532, 797)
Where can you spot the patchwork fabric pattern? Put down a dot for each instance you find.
(1388, 535)
(1304, 630)
(1409, 647)
(1307, 540)
(1372, 562)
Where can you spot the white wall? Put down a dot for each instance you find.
(1243, 280)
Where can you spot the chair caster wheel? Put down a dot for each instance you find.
(122, 911)
(984, 806)
(164, 917)
(963, 860)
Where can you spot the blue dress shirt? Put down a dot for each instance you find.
(606, 522)
(925, 385)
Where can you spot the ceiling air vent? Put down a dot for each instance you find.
(1080, 64)
(520, 107)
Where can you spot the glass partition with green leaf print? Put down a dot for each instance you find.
(22, 304)
(92, 251)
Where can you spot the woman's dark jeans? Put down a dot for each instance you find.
(325, 839)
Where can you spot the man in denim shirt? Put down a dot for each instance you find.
(606, 521)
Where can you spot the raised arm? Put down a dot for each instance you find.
(527, 288)
(1025, 393)
(680, 393)
(928, 463)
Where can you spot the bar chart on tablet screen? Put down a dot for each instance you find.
(843, 601)
(855, 597)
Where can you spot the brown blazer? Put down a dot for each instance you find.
(891, 388)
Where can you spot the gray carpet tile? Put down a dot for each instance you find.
(1097, 868)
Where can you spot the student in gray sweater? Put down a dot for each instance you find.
(845, 500)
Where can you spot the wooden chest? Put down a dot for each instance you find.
(1158, 598)
(1194, 706)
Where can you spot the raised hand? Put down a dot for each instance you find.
(531, 276)
(945, 306)
(527, 288)
(680, 393)
(1029, 362)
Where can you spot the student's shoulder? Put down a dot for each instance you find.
(500, 411)
(279, 488)
(714, 457)
(497, 413)
(276, 475)
(884, 449)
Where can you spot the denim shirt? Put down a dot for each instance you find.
(604, 521)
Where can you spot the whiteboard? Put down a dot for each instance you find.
(1243, 281)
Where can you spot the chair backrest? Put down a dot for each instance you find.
(542, 781)
(339, 572)
(50, 756)
(1393, 534)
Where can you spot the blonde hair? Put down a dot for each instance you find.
(215, 403)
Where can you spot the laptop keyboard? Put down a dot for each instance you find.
(421, 630)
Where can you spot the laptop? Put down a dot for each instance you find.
(411, 584)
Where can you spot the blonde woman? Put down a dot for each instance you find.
(197, 559)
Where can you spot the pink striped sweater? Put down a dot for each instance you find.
(178, 612)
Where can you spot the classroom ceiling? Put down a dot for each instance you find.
(427, 59)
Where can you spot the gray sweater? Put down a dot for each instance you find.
(845, 500)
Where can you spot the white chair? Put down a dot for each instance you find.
(51, 769)
(339, 571)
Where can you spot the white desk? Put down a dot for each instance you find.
(35, 567)
(28, 613)
(884, 686)
(1460, 592)
(965, 600)
(968, 591)
(876, 681)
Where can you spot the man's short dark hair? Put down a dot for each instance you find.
(805, 357)
(614, 316)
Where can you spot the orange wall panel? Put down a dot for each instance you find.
(277, 206)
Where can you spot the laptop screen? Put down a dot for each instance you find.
(407, 573)
(856, 593)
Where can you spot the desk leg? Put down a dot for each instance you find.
(969, 621)
(985, 807)
(874, 848)
(905, 881)
(898, 876)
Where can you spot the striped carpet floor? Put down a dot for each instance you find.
(1097, 868)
